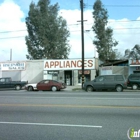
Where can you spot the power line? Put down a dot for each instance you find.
(119, 5)
(13, 31)
(125, 21)
(69, 25)
(72, 31)
(136, 28)
(12, 37)
(122, 5)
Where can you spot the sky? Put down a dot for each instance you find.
(124, 19)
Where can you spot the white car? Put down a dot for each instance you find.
(31, 87)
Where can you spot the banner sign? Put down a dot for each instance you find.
(68, 64)
(134, 62)
(85, 71)
(12, 66)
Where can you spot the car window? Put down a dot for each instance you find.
(46, 81)
(109, 78)
(2, 80)
(55, 81)
(41, 82)
(135, 77)
(100, 79)
(7, 80)
(119, 78)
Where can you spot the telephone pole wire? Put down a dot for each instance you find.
(82, 37)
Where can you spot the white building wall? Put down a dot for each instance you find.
(93, 74)
(0, 71)
(75, 74)
(33, 72)
(108, 70)
(120, 70)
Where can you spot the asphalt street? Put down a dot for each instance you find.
(68, 115)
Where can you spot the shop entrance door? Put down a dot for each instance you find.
(68, 77)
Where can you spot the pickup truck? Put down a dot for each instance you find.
(6, 82)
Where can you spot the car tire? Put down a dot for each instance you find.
(54, 88)
(119, 88)
(30, 88)
(89, 89)
(17, 87)
(134, 86)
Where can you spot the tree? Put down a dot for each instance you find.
(47, 32)
(118, 54)
(103, 38)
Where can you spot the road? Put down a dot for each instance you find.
(68, 115)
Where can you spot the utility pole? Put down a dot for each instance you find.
(82, 35)
(10, 54)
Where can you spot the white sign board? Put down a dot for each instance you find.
(68, 64)
(134, 62)
(106, 70)
(12, 66)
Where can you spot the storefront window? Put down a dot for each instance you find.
(86, 74)
(54, 74)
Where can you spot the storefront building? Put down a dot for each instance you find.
(69, 70)
(33, 71)
(134, 66)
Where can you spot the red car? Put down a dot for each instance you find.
(50, 85)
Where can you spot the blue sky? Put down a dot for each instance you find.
(121, 13)
(117, 9)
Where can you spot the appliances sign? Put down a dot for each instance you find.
(68, 64)
(13, 66)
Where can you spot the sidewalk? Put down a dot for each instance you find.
(71, 88)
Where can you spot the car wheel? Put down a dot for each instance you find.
(54, 88)
(18, 87)
(134, 86)
(89, 89)
(30, 88)
(119, 88)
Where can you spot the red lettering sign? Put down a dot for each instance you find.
(56, 63)
(79, 63)
(90, 63)
(68, 64)
(46, 65)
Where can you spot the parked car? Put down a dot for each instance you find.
(31, 87)
(7, 83)
(106, 82)
(133, 81)
(50, 85)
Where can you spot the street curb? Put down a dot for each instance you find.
(125, 90)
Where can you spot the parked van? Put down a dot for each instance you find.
(106, 82)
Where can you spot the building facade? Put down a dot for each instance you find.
(64, 70)
(134, 66)
(69, 70)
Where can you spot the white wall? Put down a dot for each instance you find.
(33, 72)
(0, 73)
(93, 74)
(105, 70)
